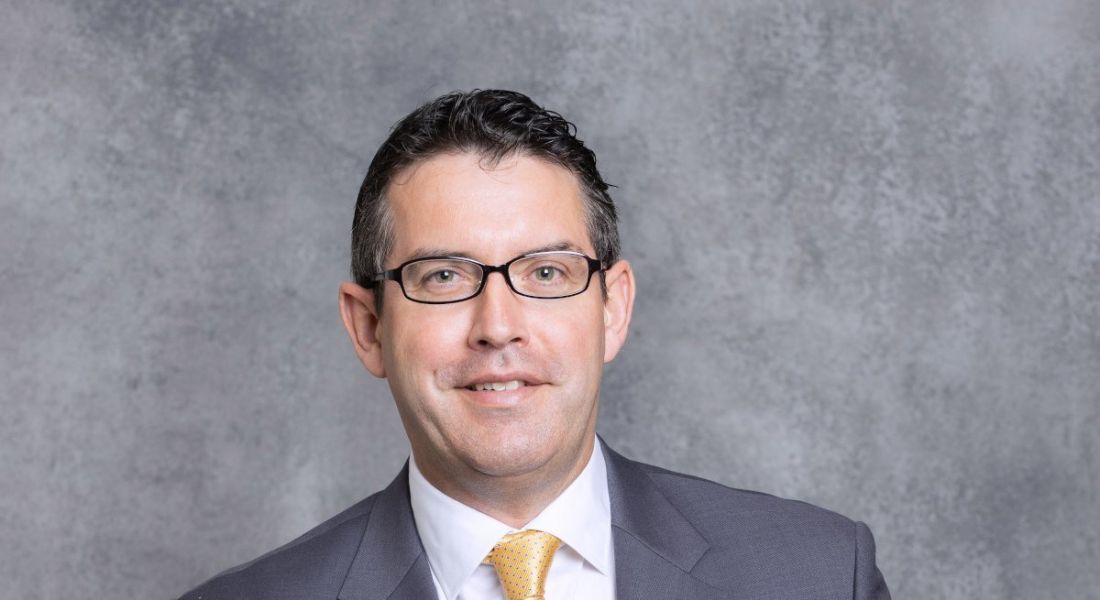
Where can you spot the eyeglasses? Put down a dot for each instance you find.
(447, 279)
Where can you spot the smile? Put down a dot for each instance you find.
(496, 386)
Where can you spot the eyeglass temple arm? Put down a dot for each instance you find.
(392, 274)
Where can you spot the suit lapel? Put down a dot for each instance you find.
(655, 546)
(390, 563)
(643, 574)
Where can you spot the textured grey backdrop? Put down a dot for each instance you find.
(867, 237)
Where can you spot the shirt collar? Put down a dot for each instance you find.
(457, 537)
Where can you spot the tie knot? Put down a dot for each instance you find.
(521, 560)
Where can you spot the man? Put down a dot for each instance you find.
(479, 230)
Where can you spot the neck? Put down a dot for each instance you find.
(511, 499)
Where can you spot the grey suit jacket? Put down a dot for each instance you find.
(675, 536)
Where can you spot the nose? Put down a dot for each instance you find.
(499, 318)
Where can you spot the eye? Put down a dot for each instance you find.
(441, 276)
(547, 273)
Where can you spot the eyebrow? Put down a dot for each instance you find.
(439, 251)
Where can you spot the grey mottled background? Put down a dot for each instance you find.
(867, 236)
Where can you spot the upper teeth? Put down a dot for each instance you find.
(497, 386)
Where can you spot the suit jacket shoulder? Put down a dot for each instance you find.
(370, 551)
(755, 545)
(313, 564)
(729, 517)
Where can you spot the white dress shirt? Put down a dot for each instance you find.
(457, 538)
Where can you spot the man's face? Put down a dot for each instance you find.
(435, 355)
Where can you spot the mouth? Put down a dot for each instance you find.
(497, 386)
(497, 391)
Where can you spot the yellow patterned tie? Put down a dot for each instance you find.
(522, 560)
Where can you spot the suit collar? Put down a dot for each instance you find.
(656, 547)
(641, 510)
(390, 562)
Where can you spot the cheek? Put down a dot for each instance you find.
(577, 339)
(418, 346)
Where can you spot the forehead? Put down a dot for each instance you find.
(460, 203)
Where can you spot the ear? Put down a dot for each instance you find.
(617, 308)
(364, 325)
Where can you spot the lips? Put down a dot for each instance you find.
(500, 382)
(497, 386)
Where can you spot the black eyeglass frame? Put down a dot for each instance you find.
(594, 266)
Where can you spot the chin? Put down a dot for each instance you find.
(511, 456)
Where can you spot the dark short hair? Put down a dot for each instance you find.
(494, 124)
